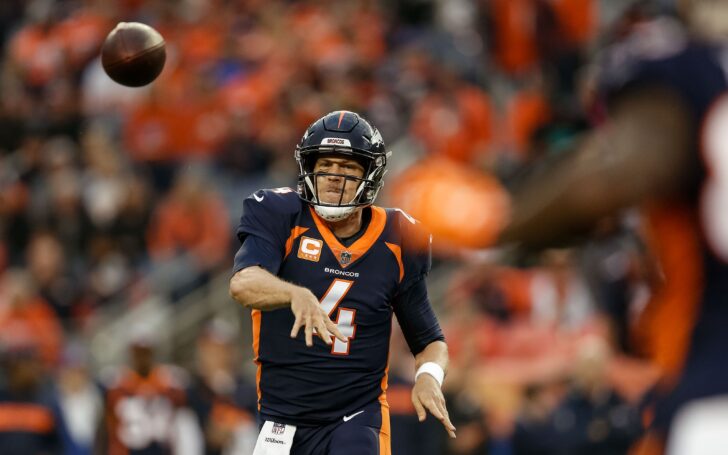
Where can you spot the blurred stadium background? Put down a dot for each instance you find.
(118, 206)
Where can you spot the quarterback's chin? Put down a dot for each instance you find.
(330, 199)
(333, 195)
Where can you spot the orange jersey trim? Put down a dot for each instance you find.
(295, 233)
(256, 316)
(398, 255)
(362, 245)
(25, 417)
(385, 443)
(158, 381)
(668, 321)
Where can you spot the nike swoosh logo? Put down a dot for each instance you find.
(347, 418)
(258, 198)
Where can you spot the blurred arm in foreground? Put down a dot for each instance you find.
(642, 151)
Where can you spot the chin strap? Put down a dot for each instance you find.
(333, 213)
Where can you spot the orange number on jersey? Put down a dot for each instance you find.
(345, 319)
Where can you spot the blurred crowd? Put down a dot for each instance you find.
(110, 195)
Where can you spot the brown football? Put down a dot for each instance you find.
(133, 54)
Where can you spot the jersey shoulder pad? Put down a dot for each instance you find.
(634, 57)
(277, 200)
(415, 242)
(409, 230)
(269, 213)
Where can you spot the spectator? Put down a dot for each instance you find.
(188, 238)
(27, 319)
(55, 278)
(559, 294)
(31, 422)
(455, 120)
(591, 418)
(79, 401)
(224, 401)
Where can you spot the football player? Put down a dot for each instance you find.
(323, 269)
(662, 146)
(145, 408)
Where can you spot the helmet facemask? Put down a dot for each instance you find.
(367, 186)
(341, 134)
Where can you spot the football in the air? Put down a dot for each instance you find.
(133, 54)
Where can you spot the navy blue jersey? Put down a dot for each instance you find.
(360, 285)
(688, 316)
(660, 53)
(30, 423)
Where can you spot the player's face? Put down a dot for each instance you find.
(142, 359)
(330, 186)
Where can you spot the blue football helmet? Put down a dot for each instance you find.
(344, 134)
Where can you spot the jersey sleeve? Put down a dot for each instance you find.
(416, 250)
(658, 53)
(411, 304)
(416, 317)
(637, 58)
(264, 228)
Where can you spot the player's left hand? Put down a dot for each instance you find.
(427, 397)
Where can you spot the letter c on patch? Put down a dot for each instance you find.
(310, 249)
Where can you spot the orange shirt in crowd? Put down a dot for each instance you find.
(150, 131)
(526, 112)
(458, 130)
(578, 19)
(201, 43)
(82, 34)
(201, 229)
(32, 323)
(321, 40)
(39, 53)
(251, 93)
(514, 23)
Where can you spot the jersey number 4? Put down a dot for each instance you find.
(345, 319)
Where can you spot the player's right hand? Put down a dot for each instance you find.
(309, 315)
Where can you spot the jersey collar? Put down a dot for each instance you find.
(348, 255)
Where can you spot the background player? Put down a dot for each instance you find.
(662, 147)
(146, 408)
(323, 254)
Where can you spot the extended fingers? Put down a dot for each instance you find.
(421, 414)
(436, 406)
(433, 407)
(296, 326)
(446, 422)
(323, 331)
(308, 330)
(317, 324)
(334, 330)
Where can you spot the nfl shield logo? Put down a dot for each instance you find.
(345, 257)
(278, 428)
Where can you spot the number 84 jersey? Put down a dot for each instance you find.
(357, 284)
